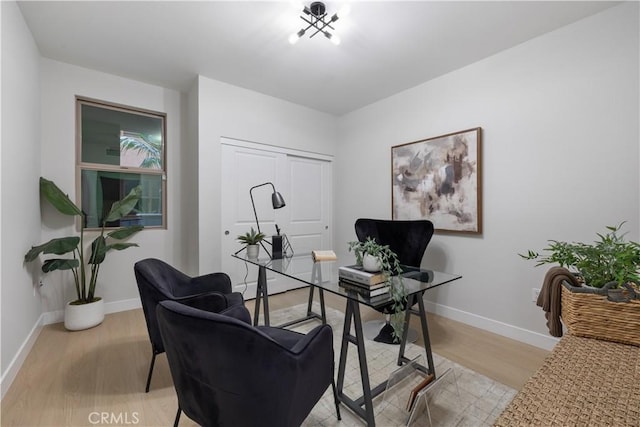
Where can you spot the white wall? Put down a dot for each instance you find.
(560, 119)
(20, 224)
(233, 112)
(60, 84)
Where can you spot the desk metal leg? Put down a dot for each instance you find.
(363, 406)
(261, 293)
(310, 312)
(262, 296)
(316, 277)
(353, 312)
(422, 314)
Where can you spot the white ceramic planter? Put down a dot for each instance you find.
(83, 316)
(371, 263)
(253, 251)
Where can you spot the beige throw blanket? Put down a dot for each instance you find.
(550, 294)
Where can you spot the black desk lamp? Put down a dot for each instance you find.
(276, 201)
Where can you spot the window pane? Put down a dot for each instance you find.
(100, 189)
(120, 138)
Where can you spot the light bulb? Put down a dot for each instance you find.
(334, 39)
(293, 38)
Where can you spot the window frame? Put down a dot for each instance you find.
(80, 165)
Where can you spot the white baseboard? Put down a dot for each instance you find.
(48, 318)
(122, 305)
(514, 332)
(109, 307)
(16, 363)
(51, 317)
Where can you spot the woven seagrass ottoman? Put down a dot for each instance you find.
(583, 382)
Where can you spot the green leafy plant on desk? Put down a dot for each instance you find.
(251, 237)
(251, 240)
(389, 265)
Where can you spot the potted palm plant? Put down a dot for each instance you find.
(376, 257)
(87, 310)
(252, 241)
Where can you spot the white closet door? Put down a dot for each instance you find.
(308, 221)
(305, 184)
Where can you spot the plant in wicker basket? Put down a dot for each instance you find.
(609, 307)
(609, 260)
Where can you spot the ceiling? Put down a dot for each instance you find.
(387, 46)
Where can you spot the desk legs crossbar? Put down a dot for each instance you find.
(363, 406)
(262, 295)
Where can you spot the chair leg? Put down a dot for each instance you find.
(177, 420)
(335, 398)
(153, 361)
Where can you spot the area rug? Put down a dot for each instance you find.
(462, 397)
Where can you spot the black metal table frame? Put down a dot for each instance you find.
(363, 405)
(263, 295)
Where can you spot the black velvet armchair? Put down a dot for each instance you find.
(158, 281)
(229, 373)
(409, 240)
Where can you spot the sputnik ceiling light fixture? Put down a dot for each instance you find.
(319, 22)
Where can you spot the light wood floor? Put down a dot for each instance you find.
(97, 376)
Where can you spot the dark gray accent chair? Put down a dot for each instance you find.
(409, 240)
(227, 372)
(158, 281)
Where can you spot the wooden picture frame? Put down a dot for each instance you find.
(439, 179)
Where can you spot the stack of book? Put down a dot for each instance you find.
(369, 285)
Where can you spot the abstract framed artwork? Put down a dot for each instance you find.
(439, 179)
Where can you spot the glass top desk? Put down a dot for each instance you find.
(416, 282)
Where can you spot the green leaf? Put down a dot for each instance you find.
(251, 237)
(122, 208)
(59, 264)
(610, 258)
(121, 246)
(124, 232)
(58, 198)
(57, 246)
(98, 250)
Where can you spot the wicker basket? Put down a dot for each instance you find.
(594, 316)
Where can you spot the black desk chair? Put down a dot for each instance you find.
(158, 281)
(409, 240)
(229, 373)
